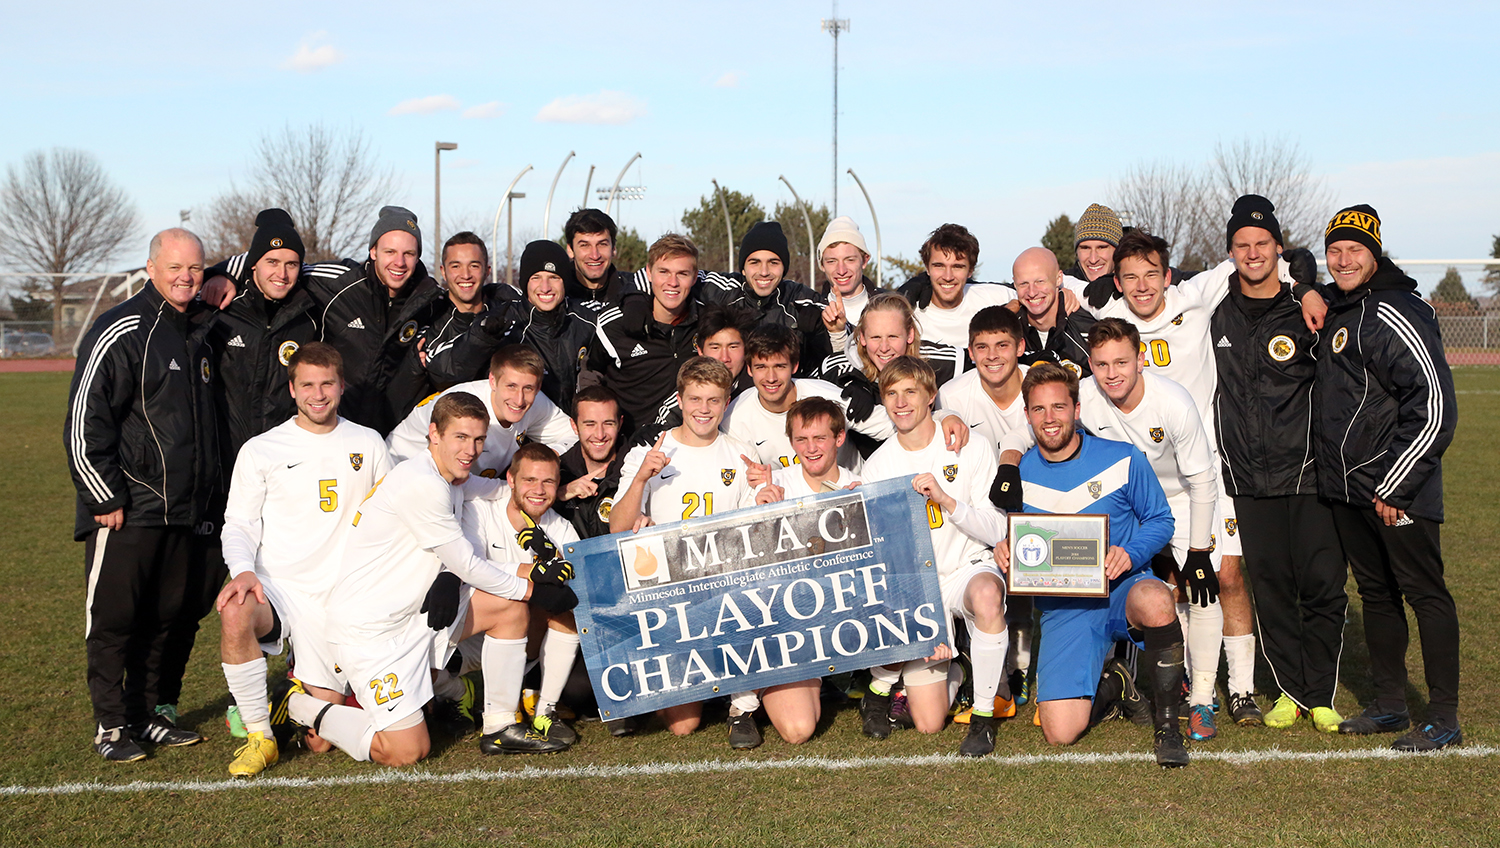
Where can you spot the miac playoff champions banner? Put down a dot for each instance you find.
(757, 597)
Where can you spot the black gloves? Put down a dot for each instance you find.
(860, 400)
(553, 597)
(441, 603)
(1302, 265)
(918, 290)
(1202, 582)
(554, 571)
(1006, 492)
(533, 540)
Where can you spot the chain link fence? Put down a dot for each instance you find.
(1471, 339)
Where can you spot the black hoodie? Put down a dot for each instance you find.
(1385, 405)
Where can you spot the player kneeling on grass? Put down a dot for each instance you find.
(405, 532)
(294, 491)
(965, 524)
(692, 471)
(815, 427)
(520, 525)
(1070, 472)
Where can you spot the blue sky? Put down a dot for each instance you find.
(995, 115)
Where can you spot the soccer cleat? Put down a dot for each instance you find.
(1243, 710)
(1370, 721)
(255, 756)
(116, 746)
(1004, 708)
(449, 716)
(520, 739)
(161, 732)
(234, 723)
(282, 725)
(1430, 737)
(1133, 705)
(875, 715)
(743, 734)
(1283, 715)
(621, 727)
(168, 712)
(1020, 687)
(550, 723)
(1036, 716)
(473, 694)
(1201, 723)
(1170, 752)
(980, 740)
(901, 712)
(1326, 719)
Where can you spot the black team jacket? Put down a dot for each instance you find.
(459, 344)
(1068, 343)
(790, 304)
(141, 432)
(1267, 362)
(590, 515)
(1385, 402)
(640, 355)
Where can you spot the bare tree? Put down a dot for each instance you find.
(328, 181)
(228, 224)
(1278, 171)
(1167, 199)
(59, 214)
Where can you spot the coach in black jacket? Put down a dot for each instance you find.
(1267, 363)
(1039, 293)
(373, 312)
(1387, 413)
(254, 337)
(140, 438)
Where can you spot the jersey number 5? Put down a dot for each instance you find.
(328, 499)
(385, 688)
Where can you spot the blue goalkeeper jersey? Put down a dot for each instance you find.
(1105, 476)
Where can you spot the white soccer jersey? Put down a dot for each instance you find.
(975, 526)
(543, 422)
(291, 499)
(965, 395)
(389, 562)
(749, 421)
(696, 482)
(488, 528)
(1165, 425)
(794, 485)
(951, 326)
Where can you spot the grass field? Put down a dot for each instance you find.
(1248, 787)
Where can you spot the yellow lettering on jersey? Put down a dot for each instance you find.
(328, 497)
(934, 515)
(385, 688)
(693, 500)
(787, 463)
(1160, 354)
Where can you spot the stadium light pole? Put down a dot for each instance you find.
(586, 183)
(614, 189)
(833, 26)
(437, 195)
(875, 220)
(495, 228)
(812, 246)
(547, 211)
(728, 230)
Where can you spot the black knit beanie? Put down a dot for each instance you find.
(544, 255)
(274, 230)
(1252, 210)
(766, 235)
(1359, 223)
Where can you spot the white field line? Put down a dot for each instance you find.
(419, 775)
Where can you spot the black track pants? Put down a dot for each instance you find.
(1392, 565)
(1297, 571)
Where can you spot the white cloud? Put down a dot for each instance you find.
(492, 109)
(309, 58)
(426, 105)
(606, 107)
(729, 80)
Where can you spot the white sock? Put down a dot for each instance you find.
(883, 680)
(1204, 635)
(504, 664)
(247, 683)
(1182, 621)
(987, 651)
(559, 651)
(349, 728)
(1240, 650)
(1020, 648)
(446, 685)
(741, 703)
(955, 680)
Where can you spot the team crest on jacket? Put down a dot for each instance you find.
(284, 353)
(1282, 348)
(1157, 434)
(356, 461)
(204, 370)
(727, 474)
(949, 472)
(605, 507)
(1177, 322)
(1231, 525)
(408, 332)
(1096, 488)
(1340, 339)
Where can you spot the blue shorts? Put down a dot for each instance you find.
(1077, 635)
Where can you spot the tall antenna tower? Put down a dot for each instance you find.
(834, 26)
